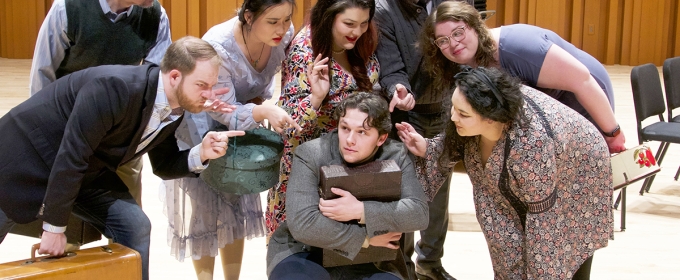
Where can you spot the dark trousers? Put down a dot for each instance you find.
(583, 272)
(430, 248)
(303, 266)
(114, 214)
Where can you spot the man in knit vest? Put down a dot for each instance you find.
(77, 34)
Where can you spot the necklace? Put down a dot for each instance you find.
(252, 62)
(338, 52)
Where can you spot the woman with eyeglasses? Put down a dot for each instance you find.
(455, 34)
(540, 172)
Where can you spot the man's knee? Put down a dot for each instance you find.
(135, 226)
(142, 226)
(299, 266)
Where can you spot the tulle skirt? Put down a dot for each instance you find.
(201, 220)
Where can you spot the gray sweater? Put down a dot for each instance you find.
(305, 226)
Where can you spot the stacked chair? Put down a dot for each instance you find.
(648, 98)
(671, 80)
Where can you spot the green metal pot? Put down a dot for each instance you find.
(251, 164)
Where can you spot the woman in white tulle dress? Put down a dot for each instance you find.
(203, 221)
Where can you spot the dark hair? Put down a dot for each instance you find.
(371, 104)
(492, 94)
(440, 67)
(183, 54)
(258, 7)
(321, 21)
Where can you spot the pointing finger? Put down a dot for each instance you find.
(290, 121)
(393, 102)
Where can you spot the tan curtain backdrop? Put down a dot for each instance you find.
(627, 32)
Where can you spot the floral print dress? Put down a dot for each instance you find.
(552, 207)
(295, 99)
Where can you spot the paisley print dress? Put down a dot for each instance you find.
(550, 207)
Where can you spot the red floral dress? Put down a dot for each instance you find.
(295, 98)
(558, 168)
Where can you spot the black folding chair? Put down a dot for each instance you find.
(649, 101)
(671, 81)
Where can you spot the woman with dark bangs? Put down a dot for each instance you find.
(328, 60)
(540, 173)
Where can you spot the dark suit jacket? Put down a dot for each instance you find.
(73, 134)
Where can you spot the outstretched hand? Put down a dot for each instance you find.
(214, 144)
(279, 119)
(214, 104)
(402, 99)
(319, 80)
(415, 143)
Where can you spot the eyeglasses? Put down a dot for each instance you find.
(458, 34)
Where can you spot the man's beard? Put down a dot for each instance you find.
(185, 102)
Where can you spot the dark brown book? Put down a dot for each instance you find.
(373, 181)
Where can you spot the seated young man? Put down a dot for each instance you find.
(313, 223)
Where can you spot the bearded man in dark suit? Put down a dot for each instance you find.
(59, 150)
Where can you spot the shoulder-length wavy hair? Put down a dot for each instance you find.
(321, 22)
(492, 94)
(439, 67)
